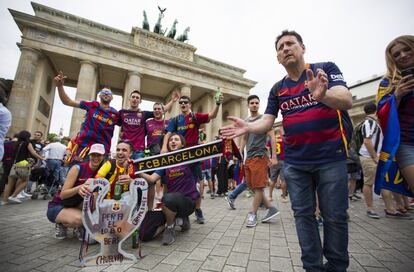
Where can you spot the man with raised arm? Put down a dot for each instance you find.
(313, 99)
(99, 123)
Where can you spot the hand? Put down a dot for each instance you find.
(175, 96)
(273, 162)
(163, 150)
(220, 99)
(60, 79)
(237, 128)
(124, 179)
(405, 86)
(83, 189)
(317, 85)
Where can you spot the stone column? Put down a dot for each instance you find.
(243, 108)
(133, 82)
(21, 96)
(86, 88)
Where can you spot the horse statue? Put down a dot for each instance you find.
(145, 24)
(158, 27)
(184, 37)
(173, 31)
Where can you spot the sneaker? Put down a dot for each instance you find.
(186, 225)
(271, 212)
(319, 220)
(397, 215)
(21, 196)
(230, 202)
(251, 220)
(212, 196)
(284, 199)
(178, 221)
(199, 215)
(14, 200)
(356, 196)
(168, 235)
(373, 214)
(60, 231)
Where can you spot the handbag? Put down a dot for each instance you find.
(20, 169)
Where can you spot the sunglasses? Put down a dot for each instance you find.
(183, 102)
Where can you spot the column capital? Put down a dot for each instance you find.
(88, 62)
(31, 49)
(184, 86)
(134, 73)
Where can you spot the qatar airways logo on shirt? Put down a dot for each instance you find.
(298, 102)
(132, 121)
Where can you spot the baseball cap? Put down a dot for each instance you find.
(105, 91)
(97, 148)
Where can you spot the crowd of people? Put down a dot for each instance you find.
(316, 158)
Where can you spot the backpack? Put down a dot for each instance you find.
(357, 139)
(111, 170)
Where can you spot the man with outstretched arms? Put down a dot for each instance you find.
(313, 99)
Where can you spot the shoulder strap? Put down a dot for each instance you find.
(111, 170)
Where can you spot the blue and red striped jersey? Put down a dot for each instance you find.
(314, 132)
(98, 126)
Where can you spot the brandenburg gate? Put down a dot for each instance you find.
(93, 55)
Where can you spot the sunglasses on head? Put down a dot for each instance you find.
(183, 102)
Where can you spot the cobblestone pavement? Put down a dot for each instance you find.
(222, 244)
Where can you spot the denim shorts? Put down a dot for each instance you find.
(53, 212)
(405, 155)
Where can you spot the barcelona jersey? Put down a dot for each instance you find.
(314, 132)
(98, 126)
(187, 126)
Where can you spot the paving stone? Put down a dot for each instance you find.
(280, 264)
(259, 255)
(255, 266)
(175, 258)
(221, 250)
(215, 263)
(279, 251)
(238, 259)
(163, 268)
(242, 247)
(230, 268)
(199, 254)
(189, 266)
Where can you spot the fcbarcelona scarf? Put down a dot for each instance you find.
(388, 175)
(226, 148)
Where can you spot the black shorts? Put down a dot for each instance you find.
(179, 204)
(152, 221)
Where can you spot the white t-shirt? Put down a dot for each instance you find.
(371, 130)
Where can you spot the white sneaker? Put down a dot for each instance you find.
(14, 200)
(20, 196)
(25, 194)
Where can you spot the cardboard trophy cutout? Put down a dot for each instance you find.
(113, 221)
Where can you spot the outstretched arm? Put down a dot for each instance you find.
(338, 97)
(174, 97)
(164, 148)
(214, 111)
(66, 100)
(240, 127)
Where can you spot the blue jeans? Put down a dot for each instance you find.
(239, 189)
(330, 182)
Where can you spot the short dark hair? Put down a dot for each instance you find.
(251, 97)
(182, 139)
(127, 142)
(137, 92)
(41, 133)
(370, 108)
(288, 33)
(185, 97)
